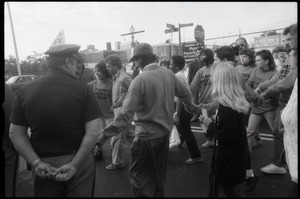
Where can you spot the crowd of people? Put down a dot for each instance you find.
(71, 113)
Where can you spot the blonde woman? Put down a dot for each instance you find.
(229, 129)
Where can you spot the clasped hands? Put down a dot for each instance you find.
(46, 170)
(204, 120)
(198, 109)
(192, 108)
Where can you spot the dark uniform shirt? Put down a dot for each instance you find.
(193, 69)
(56, 108)
(7, 106)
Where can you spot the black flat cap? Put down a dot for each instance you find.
(63, 49)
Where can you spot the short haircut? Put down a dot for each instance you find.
(101, 66)
(209, 54)
(55, 62)
(114, 60)
(292, 29)
(225, 52)
(147, 58)
(178, 61)
(267, 55)
(250, 53)
(164, 63)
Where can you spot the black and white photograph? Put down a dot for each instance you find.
(167, 99)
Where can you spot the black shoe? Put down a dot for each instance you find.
(251, 183)
(181, 142)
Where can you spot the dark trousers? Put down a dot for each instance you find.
(233, 192)
(294, 190)
(148, 166)
(278, 130)
(81, 185)
(184, 129)
(11, 168)
(230, 191)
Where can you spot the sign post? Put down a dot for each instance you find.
(182, 26)
(171, 30)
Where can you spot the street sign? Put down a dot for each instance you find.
(186, 25)
(170, 26)
(171, 30)
(199, 34)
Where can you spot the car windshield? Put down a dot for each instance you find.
(19, 79)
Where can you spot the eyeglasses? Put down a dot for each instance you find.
(242, 45)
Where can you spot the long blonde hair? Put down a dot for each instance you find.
(227, 89)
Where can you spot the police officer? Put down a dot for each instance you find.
(63, 115)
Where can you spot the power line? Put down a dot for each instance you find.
(249, 33)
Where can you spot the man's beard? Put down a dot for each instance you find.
(205, 61)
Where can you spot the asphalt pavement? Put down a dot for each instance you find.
(182, 180)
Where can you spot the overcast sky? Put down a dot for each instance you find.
(36, 24)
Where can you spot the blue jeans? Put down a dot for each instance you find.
(148, 166)
(253, 123)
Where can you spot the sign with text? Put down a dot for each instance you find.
(269, 41)
(171, 30)
(189, 50)
(170, 26)
(185, 25)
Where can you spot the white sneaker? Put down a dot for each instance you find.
(208, 144)
(273, 169)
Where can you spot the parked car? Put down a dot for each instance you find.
(15, 82)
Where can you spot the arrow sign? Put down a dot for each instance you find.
(171, 30)
(186, 25)
(170, 26)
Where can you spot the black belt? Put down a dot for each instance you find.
(56, 154)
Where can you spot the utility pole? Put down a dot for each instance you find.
(15, 43)
(179, 39)
(132, 32)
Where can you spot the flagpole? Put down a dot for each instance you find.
(15, 43)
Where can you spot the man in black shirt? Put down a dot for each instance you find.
(63, 115)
